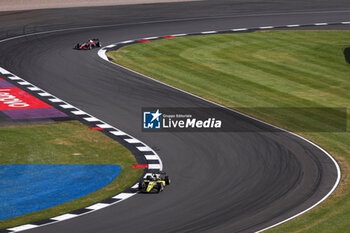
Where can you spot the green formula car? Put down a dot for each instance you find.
(154, 183)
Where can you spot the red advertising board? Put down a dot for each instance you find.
(15, 98)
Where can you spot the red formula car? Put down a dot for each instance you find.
(93, 43)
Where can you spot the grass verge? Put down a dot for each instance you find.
(68, 142)
(251, 72)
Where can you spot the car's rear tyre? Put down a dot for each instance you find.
(98, 44)
(160, 187)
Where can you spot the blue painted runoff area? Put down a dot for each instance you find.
(31, 187)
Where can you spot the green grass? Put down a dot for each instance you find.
(253, 72)
(65, 143)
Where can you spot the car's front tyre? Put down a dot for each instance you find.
(142, 186)
(167, 180)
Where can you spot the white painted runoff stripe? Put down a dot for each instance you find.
(44, 94)
(110, 46)
(124, 195)
(320, 24)
(325, 152)
(34, 88)
(97, 206)
(151, 38)
(239, 29)
(132, 140)
(24, 83)
(64, 217)
(209, 32)
(91, 119)
(127, 42)
(3, 71)
(66, 106)
(79, 112)
(102, 53)
(117, 133)
(55, 100)
(151, 157)
(104, 126)
(144, 148)
(22, 228)
(266, 27)
(154, 166)
(177, 35)
(14, 78)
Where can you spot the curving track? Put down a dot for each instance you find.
(223, 182)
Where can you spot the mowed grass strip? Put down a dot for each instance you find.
(254, 72)
(66, 143)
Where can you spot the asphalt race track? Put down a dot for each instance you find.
(222, 182)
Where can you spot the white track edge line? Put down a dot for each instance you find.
(89, 27)
(250, 117)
